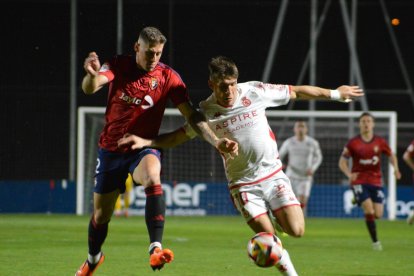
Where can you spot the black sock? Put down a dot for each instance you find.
(372, 228)
(96, 236)
(155, 212)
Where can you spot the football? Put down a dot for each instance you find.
(265, 249)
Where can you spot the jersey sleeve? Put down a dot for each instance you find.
(347, 151)
(177, 89)
(107, 69)
(385, 148)
(410, 149)
(272, 94)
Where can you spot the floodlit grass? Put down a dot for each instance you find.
(57, 245)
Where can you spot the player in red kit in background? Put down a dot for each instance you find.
(139, 88)
(365, 176)
(408, 157)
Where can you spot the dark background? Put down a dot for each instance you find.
(35, 47)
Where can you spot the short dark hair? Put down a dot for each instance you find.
(221, 67)
(152, 35)
(366, 114)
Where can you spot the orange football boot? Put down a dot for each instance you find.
(87, 268)
(159, 257)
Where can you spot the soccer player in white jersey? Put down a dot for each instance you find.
(257, 184)
(304, 158)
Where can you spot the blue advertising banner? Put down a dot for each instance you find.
(48, 196)
(182, 199)
(336, 201)
(201, 199)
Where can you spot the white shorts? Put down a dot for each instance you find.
(301, 187)
(257, 199)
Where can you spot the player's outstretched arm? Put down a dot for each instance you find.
(165, 140)
(92, 81)
(344, 93)
(199, 124)
(172, 139)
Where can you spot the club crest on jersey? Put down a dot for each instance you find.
(246, 102)
(376, 149)
(153, 83)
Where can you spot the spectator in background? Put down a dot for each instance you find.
(365, 175)
(408, 157)
(304, 157)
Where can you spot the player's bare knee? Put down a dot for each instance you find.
(150, 180)
(101, 216)
(297, 231)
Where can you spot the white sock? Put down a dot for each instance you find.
(94, 259)
(154, 244)
(285, 265)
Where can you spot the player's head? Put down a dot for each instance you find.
(149, 47)
(223, 74)
(300, 128)
(366, 123)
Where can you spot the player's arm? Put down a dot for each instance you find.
(344, 93)
(317, 157)
(408, 160)
(199, 124)
(165, 140)
(283, 151)
(92, 81)
(343, 165)
(394, 162)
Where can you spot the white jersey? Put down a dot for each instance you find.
(302, 156)
(246, 123)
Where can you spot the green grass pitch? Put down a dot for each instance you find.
(57, 245)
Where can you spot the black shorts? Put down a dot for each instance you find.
(112, 168)
(365, 191)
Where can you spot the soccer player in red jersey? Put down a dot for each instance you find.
(365, 176)
(139, 88)
(408, 157)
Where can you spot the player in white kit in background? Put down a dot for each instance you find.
(304, 156)
(257, 184)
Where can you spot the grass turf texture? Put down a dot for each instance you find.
(57, 245)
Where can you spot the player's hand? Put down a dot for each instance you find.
(309, 172)
(348, 93)
(92, 64)
(397, 174)
(228, 146)
(133, 142)
(353, 177)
